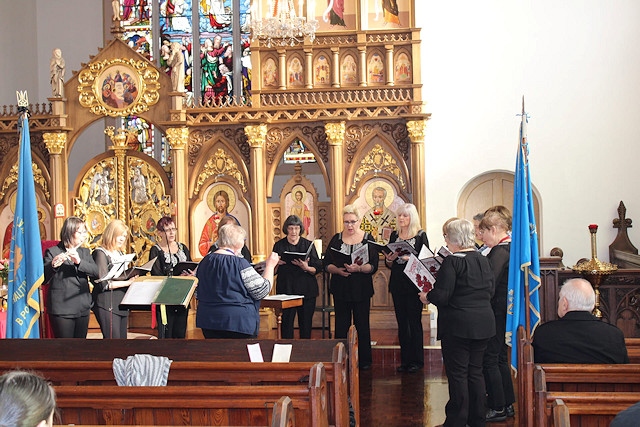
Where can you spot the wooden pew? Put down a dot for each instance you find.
(593, 394)
(283, 415)
(187, 373)
(560, 414)
(194, 405)
(196, 362)
(526, 371)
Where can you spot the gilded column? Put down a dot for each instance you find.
(56, 143)
(335, 137)
(416, 129)
(257, 136)
(179, 139)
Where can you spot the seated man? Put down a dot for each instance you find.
(578, 336)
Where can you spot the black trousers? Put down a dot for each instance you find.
(111, 325)
(462, 359)
(408, 308)
(176, 326)
(497, 373)
(359, 311)
(305, 318)
(64, 327)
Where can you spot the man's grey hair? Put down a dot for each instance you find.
(579, 295)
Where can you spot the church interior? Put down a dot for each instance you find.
(146, 108)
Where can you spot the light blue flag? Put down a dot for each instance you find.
(524, 261)
(26, 269)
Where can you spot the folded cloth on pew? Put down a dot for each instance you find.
(142, 370)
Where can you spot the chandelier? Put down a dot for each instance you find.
(283, 26)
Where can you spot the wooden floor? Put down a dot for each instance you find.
(392, 399)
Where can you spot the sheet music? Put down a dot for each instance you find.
(142, 292)
(120, 264)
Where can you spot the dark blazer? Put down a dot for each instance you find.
(462, 293)
(579, 337)
(69, 284)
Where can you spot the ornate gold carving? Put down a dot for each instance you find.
(354, 136)
(119, 136)
(398, 132)
(95, 201)
(256, 135)
(275, 136)
(129, 186)
(335, 132)
(178, 137)
(99, 87)
(148, 201)
(416, 130)
(319, 138)
(376, 161)
(218, 165)
(55, 141)
(13, 177)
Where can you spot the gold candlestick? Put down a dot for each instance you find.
(594, 270)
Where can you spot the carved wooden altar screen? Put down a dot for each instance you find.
(352, 97)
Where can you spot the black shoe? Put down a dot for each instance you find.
(510, 411)
(401, 368)
(413, 368)
(495, 416)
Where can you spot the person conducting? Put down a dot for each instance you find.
(230, 289)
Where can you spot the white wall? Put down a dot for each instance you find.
(575, 61)
(578, 66)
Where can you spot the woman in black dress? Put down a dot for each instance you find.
(351, 282)
(297, 277)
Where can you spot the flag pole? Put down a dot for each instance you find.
(527, 321)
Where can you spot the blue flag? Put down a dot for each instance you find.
(26, 269)
(524, 261)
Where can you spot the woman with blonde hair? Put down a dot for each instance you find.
(351, 282)
(406, 302)
(108, 294)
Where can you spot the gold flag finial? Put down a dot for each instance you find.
(23, 99)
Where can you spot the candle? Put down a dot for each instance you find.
(300, 8)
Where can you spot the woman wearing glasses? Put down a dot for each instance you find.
(67, 267)
(351, 280)
(169, 253)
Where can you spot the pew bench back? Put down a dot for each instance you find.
(193, 405)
